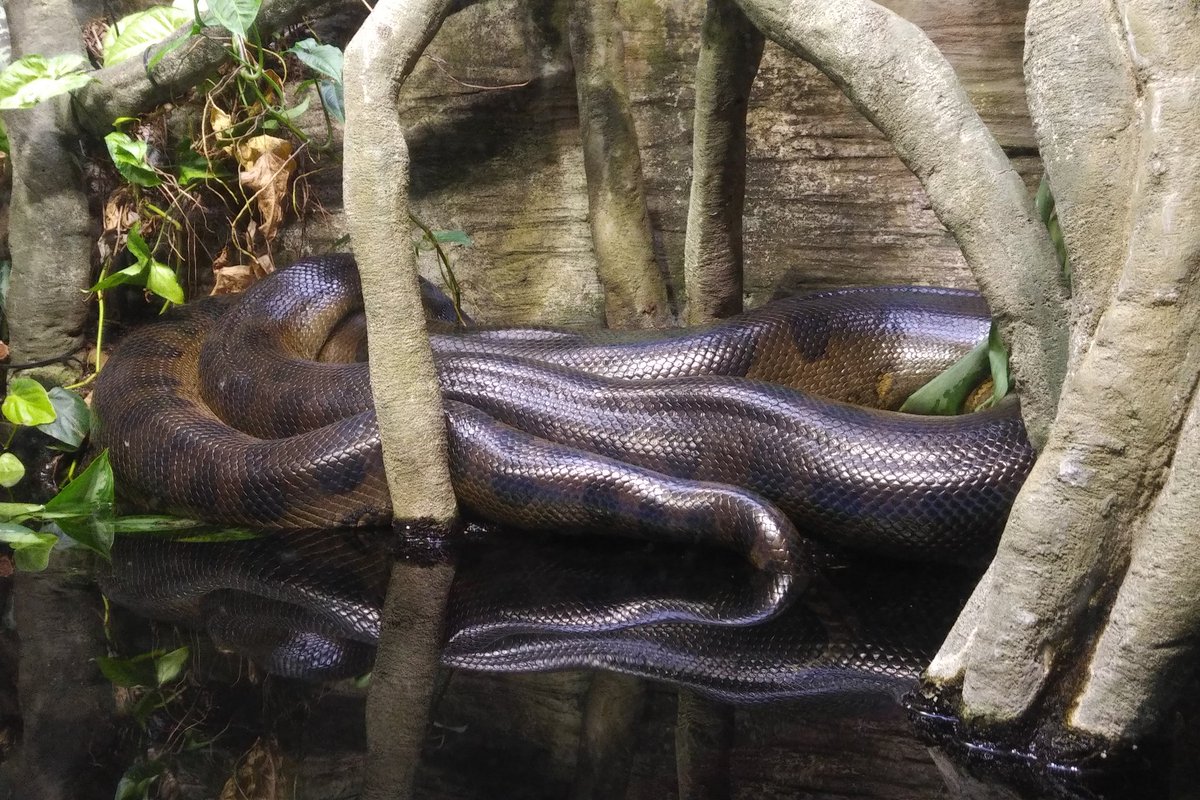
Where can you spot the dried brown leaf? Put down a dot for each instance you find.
(3, 351)
(267, 166)
(232, 280)
(258, 775)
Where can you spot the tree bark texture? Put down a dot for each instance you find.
(901, 82)
(133, 87)
(635, 290)
(403, 380)
(50, 229)
(730, 51)
(1124, 402)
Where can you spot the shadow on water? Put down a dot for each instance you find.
(816, 672)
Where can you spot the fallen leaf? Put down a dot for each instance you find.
(267, 166)
(3, 351)
(258, 775)
(232, 280)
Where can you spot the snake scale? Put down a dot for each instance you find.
(746, 433)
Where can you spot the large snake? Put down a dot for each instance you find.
(250, 412)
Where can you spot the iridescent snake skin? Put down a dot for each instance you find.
(753, 434)
(249, 413)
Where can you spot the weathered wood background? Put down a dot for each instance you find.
(828, 201)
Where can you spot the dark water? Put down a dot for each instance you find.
(813, 701)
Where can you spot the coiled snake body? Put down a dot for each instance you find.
(252, 412)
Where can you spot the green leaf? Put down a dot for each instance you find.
(334, 98)
(130, 672)
(323, 59)
(998, 361)
(4, 145)
(168, 666)
(236, 16)
(152, 523)
(453, 237)
(32, 79)
(73, 420)
(131, 157)
(31, 550)
(161, 281)
(136, 782)
(135, 274)
(223, 535)
(194, 168)
(27, 403)
(11, 470)
(132, 34)
(10, 511)
(946, 393)
(91, 491)
(93, 531)
(137, 245)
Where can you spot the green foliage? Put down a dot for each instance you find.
(27, 403)
(131, 157)
(326, 61)
(146, 271)
(195, 168)
(72, 420)
(139, 779)
(31, 550)
(236, 16)
(150, 670)
(32, 79)
(132, 34)
(11, 470)
(1044, 202)
(948, 392)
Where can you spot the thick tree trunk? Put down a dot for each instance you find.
(52, 263)
(403, 380)
(1092, 490)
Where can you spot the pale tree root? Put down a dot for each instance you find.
(408, 402)
(51, 262)
(730, 51)
(1122, 415)
(635, 293)
(900, 81)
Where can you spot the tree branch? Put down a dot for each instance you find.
(635, 293)
(730, 50)
(130, 88)
(897, 78)
(403, 380)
